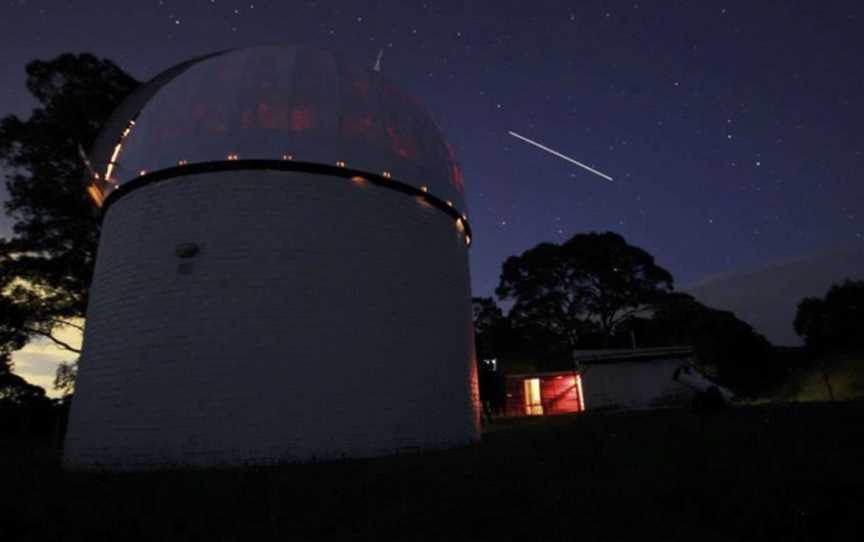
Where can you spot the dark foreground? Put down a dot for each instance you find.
(759, 473)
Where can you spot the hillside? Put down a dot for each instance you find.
(768, 298)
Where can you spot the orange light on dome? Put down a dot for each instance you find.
(424, 188)
(449, 203)
(386, 174)
(233, 157)
(424, 202)
(109, 171)
(96, 195)
(460, 225)
(117, 149)
(112, 163)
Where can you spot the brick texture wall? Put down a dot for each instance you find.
(321, 318)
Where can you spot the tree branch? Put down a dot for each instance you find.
(626, 314)
(55, 340)
(70, 324)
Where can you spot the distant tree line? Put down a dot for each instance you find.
(597, 291)
(834, 323)
(832, 328)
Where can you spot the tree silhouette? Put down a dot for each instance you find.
(594, 281)
(834, 322)
(46, 266)
(729, 348)
(14, 390)
(492, 339)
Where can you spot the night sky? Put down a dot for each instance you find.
(732, 129)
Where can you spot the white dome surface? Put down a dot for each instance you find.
(277, 103)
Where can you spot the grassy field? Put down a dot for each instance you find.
(785, 472)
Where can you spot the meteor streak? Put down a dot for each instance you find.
(559, 155)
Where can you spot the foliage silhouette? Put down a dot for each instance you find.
(834, 322)
(46, 266)
(594, 281)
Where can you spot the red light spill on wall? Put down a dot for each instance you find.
(402, 144)
(273, 116)
(248, 120)
(199, 112)
(563, 395)
(455, 171)
(212, 119)
(457, 178)
(557, 394)
(302, 118)
(356, 125)
(361, 85)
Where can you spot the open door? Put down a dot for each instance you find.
(533, 400)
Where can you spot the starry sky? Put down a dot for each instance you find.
(732, 129)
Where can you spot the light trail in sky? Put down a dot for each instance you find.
(559, 155)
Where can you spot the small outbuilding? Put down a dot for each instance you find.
(603, 379)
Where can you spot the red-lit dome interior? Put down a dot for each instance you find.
(270, 103)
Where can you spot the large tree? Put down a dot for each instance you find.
(46, 266)
(490, 326)
(491, 331)
(728, 348)
(834, 322)
(593, 282)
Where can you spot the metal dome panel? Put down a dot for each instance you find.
(276, 103)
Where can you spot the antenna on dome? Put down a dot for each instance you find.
(86, 161)
(377, 66)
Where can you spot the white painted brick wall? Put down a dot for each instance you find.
(638, 384)
(322, 318)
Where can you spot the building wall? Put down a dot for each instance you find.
(633, 384)
(322, 318)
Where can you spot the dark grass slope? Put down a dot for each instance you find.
(791, 472)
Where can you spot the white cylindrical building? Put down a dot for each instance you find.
(282, 272)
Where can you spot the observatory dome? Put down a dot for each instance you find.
(282, 271)
(275, 103)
